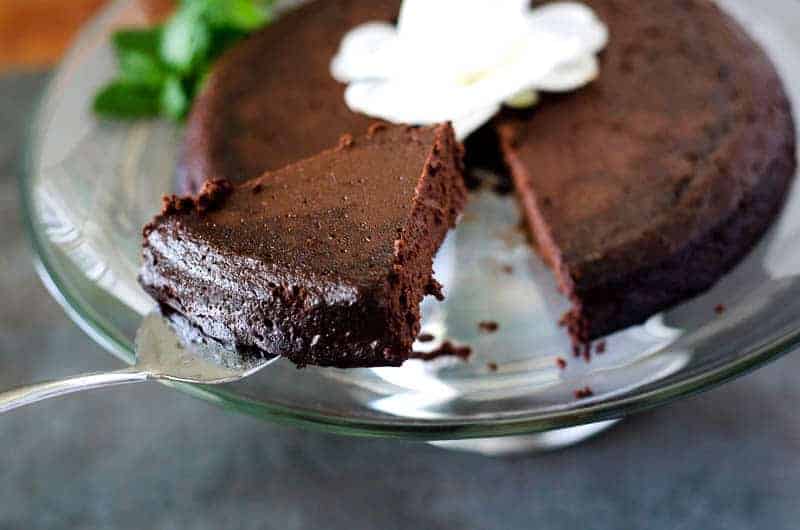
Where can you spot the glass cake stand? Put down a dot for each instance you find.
(89, 186)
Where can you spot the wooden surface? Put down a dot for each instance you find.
(35, 33)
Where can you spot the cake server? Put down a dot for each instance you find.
(160, 356)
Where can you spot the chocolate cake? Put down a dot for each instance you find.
(271, 100)
(324, 261)
(645, 187)
(641, 190)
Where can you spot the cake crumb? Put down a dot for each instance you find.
(435, 289)
(508, 269)
(488, 326)
(375, 128)
(345, 141)
(172, 204)
(582, 349)
(561, 363)
(584, 393)
(210, 196)
(447, 349)
(492, 366)
(426, 337)
(600, 347)
(719, 309)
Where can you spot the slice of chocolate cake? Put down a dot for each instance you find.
(324, 261)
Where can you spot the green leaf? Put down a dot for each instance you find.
(244, 15)
(140, 68)
(200, 4)
(125, 100)
(138, 56)
(201, 81)
(186, 39)
(222, 39)
(163, 68)
(174, 99)
(146, 41)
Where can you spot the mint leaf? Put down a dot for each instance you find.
(186, 39)
(174, 101)
(222, 39)
(140, 68)
(201, 81)
(147, 41)
(137, 52)
(126, 100)
(244, 15)
(163, 68)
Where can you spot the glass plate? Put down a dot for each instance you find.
(90, 186)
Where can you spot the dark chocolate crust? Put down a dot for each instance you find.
(324, 261)
(645, 187)
(271, 100)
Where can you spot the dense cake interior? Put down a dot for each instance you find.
(439, 197)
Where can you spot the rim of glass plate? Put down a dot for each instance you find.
(98, 328)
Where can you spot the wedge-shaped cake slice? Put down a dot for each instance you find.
(324, 261)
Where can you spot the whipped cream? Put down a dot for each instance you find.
(460, 60)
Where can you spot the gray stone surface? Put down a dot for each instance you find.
(147, 457)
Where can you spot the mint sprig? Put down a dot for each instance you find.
(162, 69)
(122, 100)
(174, 99)
(186, 39)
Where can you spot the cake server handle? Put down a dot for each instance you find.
(160, 355)
(30, 394)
